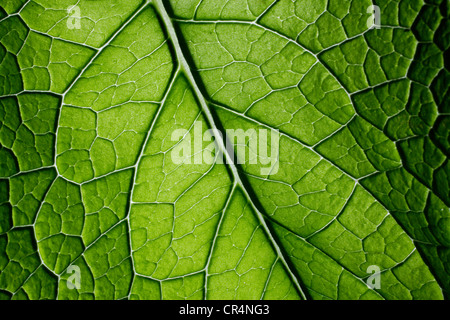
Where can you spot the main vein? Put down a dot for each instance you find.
(184, 65)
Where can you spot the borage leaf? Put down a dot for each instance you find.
(216, 149)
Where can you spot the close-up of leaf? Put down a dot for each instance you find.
(93, 92)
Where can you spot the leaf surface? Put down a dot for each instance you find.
(88, 177)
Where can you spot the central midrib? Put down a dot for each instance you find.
(185, 67)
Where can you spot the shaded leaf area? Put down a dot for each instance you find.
(88, 176)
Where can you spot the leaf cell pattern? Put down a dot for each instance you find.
(87, 177)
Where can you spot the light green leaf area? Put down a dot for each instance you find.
(109, 173)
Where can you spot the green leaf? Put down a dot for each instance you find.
(92, 93)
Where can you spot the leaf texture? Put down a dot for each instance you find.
(87, 175)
